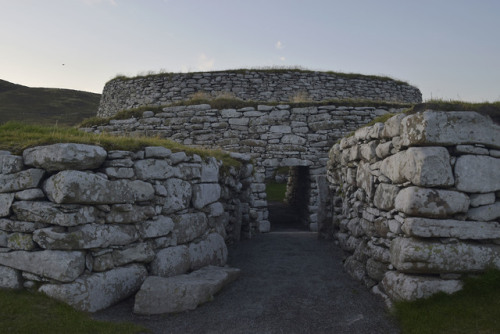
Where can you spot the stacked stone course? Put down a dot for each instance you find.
(89, 226)
(417, 201)
(279, 86)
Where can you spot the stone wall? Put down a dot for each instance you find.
(90, 226)
(158, 90)
(417, 201)
(273, 136)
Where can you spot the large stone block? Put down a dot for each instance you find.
(25, 179)
(428, 166)
(171, 261)
(205, 193)
(154, 169)
(10, 164)
(399, 286)
(49, 213)
(95, 292)
(157, 227)
(477, 174)
(211, 250)
(85, 236)
(5, 204)
(87, 188)
(189, 226)
(409, 255)
(385, 195)
(59, 265)
(129, 213)
(141, 252)
(449, 228)
(180, 293)
(449, 128)
(485, 212)
(10, 278)
(178, 195)
(65, 156)
(365, 179)
(392, 167)
(433, 203)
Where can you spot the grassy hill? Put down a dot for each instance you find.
(47, 106)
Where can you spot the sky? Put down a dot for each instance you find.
(449, 49)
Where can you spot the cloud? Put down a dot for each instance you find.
(279, 45)
(204, 63)
(98, 2)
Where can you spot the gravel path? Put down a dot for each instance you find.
(291, 283)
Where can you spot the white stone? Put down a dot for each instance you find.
(10, 278)
(25, 179)
(400, 286)
(429, 202)
(391, 167)
(49, 213)
(160, 295)
(95, 292)
(385, 195)
(205, 193)
(477, 174)
(189, 226)
(65, 156)
(59, 265)
(157, 227)
(171, 261)
(485, 213)
(178, 195)
(449, 228)
(428, 166)
(482, 199)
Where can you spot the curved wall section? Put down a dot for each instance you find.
(257, 85)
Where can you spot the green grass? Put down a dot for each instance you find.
(275, 191)
(22, 311)
(47, 106)
(474, 309)
(16, 136)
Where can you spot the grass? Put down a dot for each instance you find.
(16, 136)
(47, 106)
(474, 309)
(275, 191)
(22, 311)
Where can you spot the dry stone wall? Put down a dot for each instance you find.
(273, 136)
(157, 90)
(417, 201)
(89, 226)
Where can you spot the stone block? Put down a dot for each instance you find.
(20, 241)
(178, 195)
(49, 213)
(158, 227)
(91, 293)
(432, 203)
(141, 252)
(205, 193)
(129, 213)
(153, 169)
(211, 250)
(19, 226)
(385, 195)
(65, 156)
(485, 212)
(30, 194)
(481, 199)
(449, 228)
(392, 167)
(189, 226)
(22, 180)
(171, 261)
(10, 164)
(477, 174)
(5, 204)
(10, 278)
(428, 166)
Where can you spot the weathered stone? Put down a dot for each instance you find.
(171, 261)
(20, 181)
(20, 241)
(428, 166)
(385, 195)
(448, 228)
(392, 167)
(482, 199)
(383, 150)
(210, 171)
(85, 236)
(449, 128)
(485, 213)
(156, 152)
(91, 293)
(30, 194)
(211, 250)
(103, 262)
(477, 174)
(129, 213)
(10, 278)
(355, 268)
(59, 265)
(205, 193)
(180, 293)
(392, 126)
(414, 256)
(367, 151)
(399, 286)
(120, 172)
(87, 188)
(19, 226)
(10, 164)
(375, 269)
(189, 226)
(141, 252)
(154, 169)
(433, 203)
(65, 156)
(5, 204)
(178, 195)
(157, 227)
(49, 213)
(365, 179)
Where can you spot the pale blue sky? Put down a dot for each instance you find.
(449, 49)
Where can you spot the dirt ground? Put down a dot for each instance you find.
(291, 282)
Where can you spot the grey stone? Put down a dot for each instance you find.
(392, 126)
(153, 169)
(120, 172)
(469, 149)
(141, 252)
(178, 195)
(59, 265)
(189, 226)
(485, 213)
(129, 213)
(210, 171)
(20, 241)
(399, 286)
(375, 269)
(392, 167)
(383, 150)
(5, 204)
(87, 188)
(95, 292)
(178, 157)
(171, 261)
(10, 164)
(19, 226)
(205, 193)
(477, 174)
(211, 250)
(482, 199)
(160, 295)
(22, 180)
(409, 255)
(157, 227)
(65, 156)
(156, 152)
(10, 278)
(449, 228)
(364, 178)
(385, 195)
(85, 236)
(49, 213)
(428, 202)
(428, 166)
(30, 194)
(368, 151)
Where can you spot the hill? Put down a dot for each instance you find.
(47, 106)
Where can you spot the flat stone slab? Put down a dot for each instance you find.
(160, 295)
(95, 292)
(477, 174)
(449, 228)
(22, 180)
